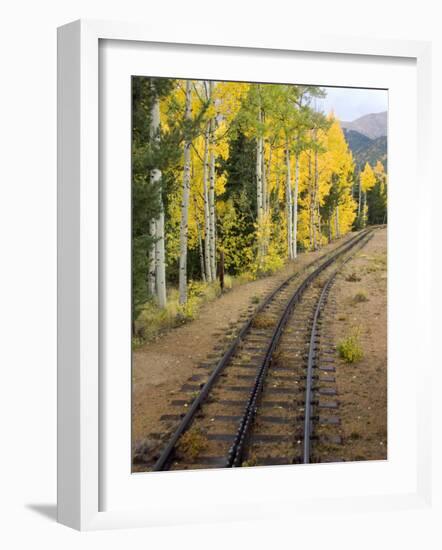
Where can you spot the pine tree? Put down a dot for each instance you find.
(377, 197)
(150, 157)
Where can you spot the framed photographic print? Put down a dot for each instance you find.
(237, 331)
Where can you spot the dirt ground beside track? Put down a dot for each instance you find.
(362, 386)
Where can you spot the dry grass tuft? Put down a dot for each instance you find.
(191, 444)
(251, 461)
(359, 297)
(263, 321)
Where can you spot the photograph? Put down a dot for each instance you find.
(259, 274)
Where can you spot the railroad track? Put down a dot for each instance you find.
(260, 401)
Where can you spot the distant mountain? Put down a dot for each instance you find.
(365, 149)
(372, 126)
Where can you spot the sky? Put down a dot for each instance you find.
(351, 103)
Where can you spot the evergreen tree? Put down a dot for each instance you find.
(377, 197)
(151, 154)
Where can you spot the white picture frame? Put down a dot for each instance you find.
(79, 322)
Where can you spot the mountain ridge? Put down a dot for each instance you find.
(365, 149)
(373, 125)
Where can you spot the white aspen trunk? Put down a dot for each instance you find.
(160, 256)
(364, 209)
(259, 197)
(315, 241)
(206, 208)
(184, 226)
(161, 262)
(152, 259)
(259, 159)
(265, 197)
(318, 217)
(212, 196)
(310, 181)
(295, 211)
(277, 193)
(288, 194)
(312, 226)
(212, 217)
(259, 183)
(200, 243)
(259, 186)
(269, 169)
(264, 180)
(359, 202)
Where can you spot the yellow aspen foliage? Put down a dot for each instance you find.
(380, 175)
(227, 100)
(342, 206)
(379, 170)
(341, 159)
(367, 178)
(346, 214)
(306, 170)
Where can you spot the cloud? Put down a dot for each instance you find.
(351, 103)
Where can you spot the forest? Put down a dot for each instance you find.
(232, 180)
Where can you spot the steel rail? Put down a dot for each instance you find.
(166, 453)
(236, 451)
(311, 361)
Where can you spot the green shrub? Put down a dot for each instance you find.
(350, 348)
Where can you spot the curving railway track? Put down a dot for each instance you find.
(270, 399)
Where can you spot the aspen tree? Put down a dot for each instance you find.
(289, 200)
(207, 231)
(152, 259)
(200, 243)
(340, 168)
(304, 118)
(259, 177)
(269, 167)
(148, 164)
(264, 177)
(295, 210)
(338, 233)
(184, 226)
(315, 193)
(212, 192)
(160, 259)
(367, 179)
